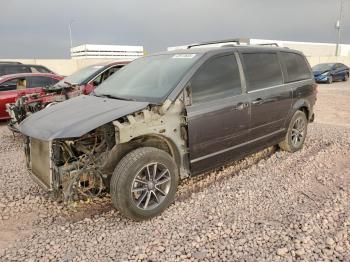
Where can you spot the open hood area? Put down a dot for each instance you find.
(77, 116)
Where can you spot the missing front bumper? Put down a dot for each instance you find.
(40, 163)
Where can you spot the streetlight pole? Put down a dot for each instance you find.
(70, 33)
(338, 27)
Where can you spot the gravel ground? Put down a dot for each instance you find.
(272, 206)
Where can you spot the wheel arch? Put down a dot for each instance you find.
(302, 105)
(151, 140)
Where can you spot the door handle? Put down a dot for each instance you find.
(240, 106)
(258, 101)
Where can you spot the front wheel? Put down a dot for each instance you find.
(144, 183)
(296, 133)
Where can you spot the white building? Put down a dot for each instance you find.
(308, 48)
(123, 52)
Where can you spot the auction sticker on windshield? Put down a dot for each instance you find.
(184, 56)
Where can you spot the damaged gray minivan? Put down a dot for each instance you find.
(170, 116)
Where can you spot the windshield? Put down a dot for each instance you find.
(80, 76)
(322, 67)
(148, 78)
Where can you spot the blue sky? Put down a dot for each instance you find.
(39, 28)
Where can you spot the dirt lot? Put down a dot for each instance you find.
(270, 206)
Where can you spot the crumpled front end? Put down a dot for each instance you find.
(31, 103)
(69, 166)
(84, 165)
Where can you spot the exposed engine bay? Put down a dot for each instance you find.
(82, 166)
(74, 164)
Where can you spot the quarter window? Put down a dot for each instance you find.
(217, 78)
(39, 69)
(262, 70)
(297, 68)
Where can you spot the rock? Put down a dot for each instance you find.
(330, 242)
(282, 251)
(300, 252)
(199, 255)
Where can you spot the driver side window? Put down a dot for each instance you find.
(13, 84)
(105, 75)
(218, 78)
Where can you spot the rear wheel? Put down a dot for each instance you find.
(330, 79)
(144, 183)
(296, 133)
(346, 77)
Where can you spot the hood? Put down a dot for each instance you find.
(77, 116)
(318, 72)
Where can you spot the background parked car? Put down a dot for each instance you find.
(329, 72)
(81, 82)
(16, 85)
(15, 68)
(10, 62)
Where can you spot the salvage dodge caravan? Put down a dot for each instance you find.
(170, 116)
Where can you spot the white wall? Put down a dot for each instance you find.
(68, 66)
(314, 60)
(308, 48)
(61, 66)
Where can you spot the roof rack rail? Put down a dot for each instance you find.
(270, 44)
(235, 40)
(231, 43)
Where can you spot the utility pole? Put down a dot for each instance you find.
(70, 33)
(338, 26)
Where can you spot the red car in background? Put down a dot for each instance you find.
(16, 85)
(81, 82)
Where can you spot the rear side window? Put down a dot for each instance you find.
(16, 69)
(262, 70)
(217, 78)
(297, 68)
(39, 69)
(41, 81)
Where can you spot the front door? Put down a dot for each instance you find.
(219, 116)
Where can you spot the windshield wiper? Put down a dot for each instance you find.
(119, 97)
(69, 83)
(112, 96)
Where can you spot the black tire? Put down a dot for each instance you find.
(346, 77)
(330, 79)
(289, 143)
(128, 172)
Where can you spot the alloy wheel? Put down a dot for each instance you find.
(298, 132)
(150, 186)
